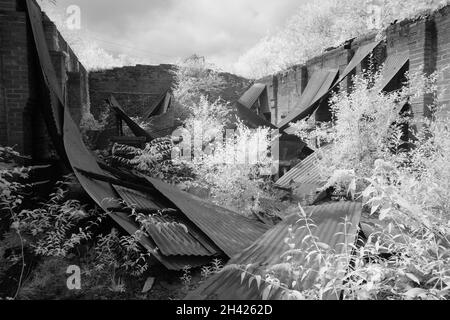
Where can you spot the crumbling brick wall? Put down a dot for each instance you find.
(134, 87)
(425, 40)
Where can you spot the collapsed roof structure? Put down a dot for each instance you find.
(336, 226)
(186, 231)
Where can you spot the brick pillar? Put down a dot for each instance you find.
(422, 55)
(14, 76)
(442, 20)
(74, 93)
(51, 34)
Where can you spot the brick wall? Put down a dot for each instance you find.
(136, 88)
(22, 93)
(425, 40)
(18, 94)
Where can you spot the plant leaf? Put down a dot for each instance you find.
(266, 292)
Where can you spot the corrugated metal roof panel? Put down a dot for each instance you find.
(171, 239)
(230, 231)
(250, 96)
(305, 172)
(317, 87)
(360, 54)
(392, 66)
(268, 250)
(170, 262)
(138, 199)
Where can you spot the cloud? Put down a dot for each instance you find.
(162, 31)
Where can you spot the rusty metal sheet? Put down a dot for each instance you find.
(317, 87)
(305, 172)
(250, 96)
(268, 250)
(392, 66)
(134, 127)
(171, 239)
(48, 71)
(230, 231)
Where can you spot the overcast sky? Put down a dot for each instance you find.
(165, 30)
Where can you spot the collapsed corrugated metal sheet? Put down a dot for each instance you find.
(319, 84)
(250, 118)
(230, 231)
(160, 106)
(134, 127)
(250, 96)
(170, 262)
(268, 250)
(100, 191)
(171, 238)
(305, 172)
(358, 57)
(392, 66)
(242, 108)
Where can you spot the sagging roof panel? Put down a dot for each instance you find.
(319, 84)
(250, 118)
(171, 238)
(160, 106)
(358, 57)
(305, 172)
(80, 157)
(230, 231)
(392, 66)
(250, 96)
(268, 250)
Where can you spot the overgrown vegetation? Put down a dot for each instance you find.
(39, 240)
(402, 179)
(319, 25)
